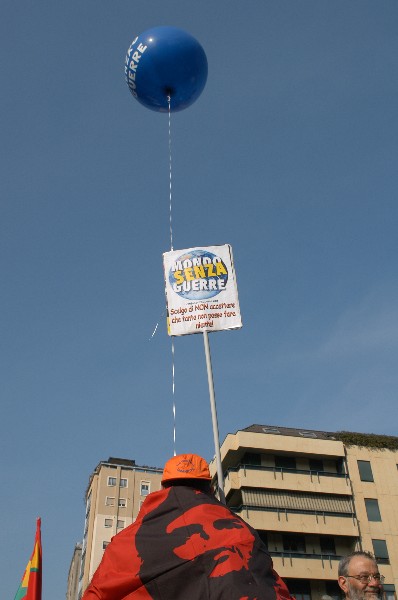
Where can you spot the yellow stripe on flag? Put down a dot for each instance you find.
(25, 579)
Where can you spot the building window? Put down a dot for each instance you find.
(316, 464)
(122, 502)
(104, 545)
(285, 462)
(294, 543)
(380, 551)
(88, 505)
(82, 566)
(365, 470)
(274, 430)
(340, 466)
(372, 509)
(108, 522)
(111, 481)
(327, 544)
(123, 483)
(308, 434)
(120, 524)
(333, 590)
(299, 588)
(389, 591)
(263, 537)
(145, 488)
(252, 458)
(109, 501)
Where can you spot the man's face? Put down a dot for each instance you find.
(217, 534)
(353, 588)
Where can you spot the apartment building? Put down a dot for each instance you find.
(74, 573)
(115, 493)
(315, 496)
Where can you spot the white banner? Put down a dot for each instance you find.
(201, 290)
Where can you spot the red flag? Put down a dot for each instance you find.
(30, 587)
(186, 544)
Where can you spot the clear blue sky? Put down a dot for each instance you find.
(289, 155)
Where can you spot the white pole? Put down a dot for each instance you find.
(214, 417)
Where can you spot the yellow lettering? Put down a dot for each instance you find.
(221, 270)
(178, 277)
(189, 274)
(210, 270)
(199, 272)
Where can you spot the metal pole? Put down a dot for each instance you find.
(214, 417)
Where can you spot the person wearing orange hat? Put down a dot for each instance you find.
(186, 545)
(187, 469)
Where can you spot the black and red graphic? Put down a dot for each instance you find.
(186, 545)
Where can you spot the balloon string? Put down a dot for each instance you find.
(170, 195)
(174, 405)
(171, 248)
(157, 325)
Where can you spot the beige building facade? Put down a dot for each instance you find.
(116, 490)
(313, 497)
(74, 573)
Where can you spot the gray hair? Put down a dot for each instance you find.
(345, 561)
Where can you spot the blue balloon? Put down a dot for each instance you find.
(166, 62)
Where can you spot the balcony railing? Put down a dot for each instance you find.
(289, 556)
(285, 511)
(282, 470)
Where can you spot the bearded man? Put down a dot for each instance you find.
(359, 577)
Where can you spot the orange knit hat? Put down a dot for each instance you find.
(186, 466)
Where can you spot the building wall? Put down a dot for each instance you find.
(314, 513)
(74, 572)
(113, 499)
(384, 489)
(309, 515)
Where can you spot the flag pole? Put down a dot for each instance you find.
(214, 417)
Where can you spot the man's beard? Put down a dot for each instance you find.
(355, 594)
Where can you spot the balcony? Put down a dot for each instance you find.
(286, 479)
(291, 520)
(305, 566)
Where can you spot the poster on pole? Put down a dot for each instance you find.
(201, 290)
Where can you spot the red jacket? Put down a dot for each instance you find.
(186, 545)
